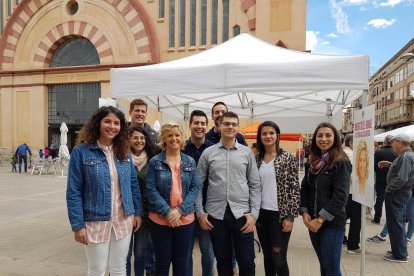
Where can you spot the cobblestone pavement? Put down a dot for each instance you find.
(36, 238)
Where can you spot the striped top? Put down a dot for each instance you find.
(100, 231)
(176, 197)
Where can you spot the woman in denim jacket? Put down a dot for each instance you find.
(103, 198)
(172, 188)
(324, 193)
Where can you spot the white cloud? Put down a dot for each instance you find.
(311, 40)
(341, 18)
(332, 35)
(390, 3)
(381, 23)
(325, 43)
(353, 2)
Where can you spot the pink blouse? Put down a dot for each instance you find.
(100, 231)
(176, 198)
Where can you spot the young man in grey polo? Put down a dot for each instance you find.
(233, 198)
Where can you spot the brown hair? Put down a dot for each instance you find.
(137, 101)
(89, 133)
(229, 114)
(335, 152)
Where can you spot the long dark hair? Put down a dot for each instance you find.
(335, 152)
(260, 146)
(149, 148)
(89, 133)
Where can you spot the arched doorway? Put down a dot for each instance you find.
(72, 103)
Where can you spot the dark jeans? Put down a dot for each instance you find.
(380, 190)
(141, 245)
(172, 245)
(328, 244)
(22, 158)
(353, 212)
(206, 248)
(269, 231)
(223, 234)
(395, 211)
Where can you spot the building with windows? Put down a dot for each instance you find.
(55, 56)
(391, 90)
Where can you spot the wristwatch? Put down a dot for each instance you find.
(320, 220)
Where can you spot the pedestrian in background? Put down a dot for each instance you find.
(103, 197)
(324, 194)
(13, 162)
(21, 154)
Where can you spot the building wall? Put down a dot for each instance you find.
(125, 33)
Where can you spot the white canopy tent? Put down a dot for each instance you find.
(409, 130)
(254, 78)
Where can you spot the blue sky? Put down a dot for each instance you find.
(378, 28)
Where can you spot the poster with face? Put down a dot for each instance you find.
(362, 187)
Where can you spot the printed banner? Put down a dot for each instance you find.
(362, 186)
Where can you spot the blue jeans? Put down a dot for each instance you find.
(328, 247)
(206, 249)
(141, 245)
(380, 190)
(410, 218)
(227, 232)
(172, 245)
(395, 211)
(22, 158)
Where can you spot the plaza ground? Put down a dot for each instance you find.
(36, 238)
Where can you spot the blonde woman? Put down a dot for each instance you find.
(172, 188)
(362, 163)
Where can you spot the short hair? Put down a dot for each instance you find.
(348, 140)
(198, 113)
(163, 134)
(137, 101)
(90, 132)
(218, 103)
(387, 140)
(229, 114)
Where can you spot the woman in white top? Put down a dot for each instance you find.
(280, 198)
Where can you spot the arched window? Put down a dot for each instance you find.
(236, 30)
(72, 103)
(161, 8)
(76, 51)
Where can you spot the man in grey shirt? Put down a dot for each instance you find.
(233, 198)
(400, 182)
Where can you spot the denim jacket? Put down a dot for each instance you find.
(88, 194)
(159, 184)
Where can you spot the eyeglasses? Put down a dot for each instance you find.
(227, 124)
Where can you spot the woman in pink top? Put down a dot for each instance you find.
(172, 188)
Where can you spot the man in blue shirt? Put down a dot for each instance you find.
(194, 147)
(214, 135)
(21, 154)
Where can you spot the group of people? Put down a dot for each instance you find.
(133, 192)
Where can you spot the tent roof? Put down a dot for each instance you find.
(254, 78)
(409, 130)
